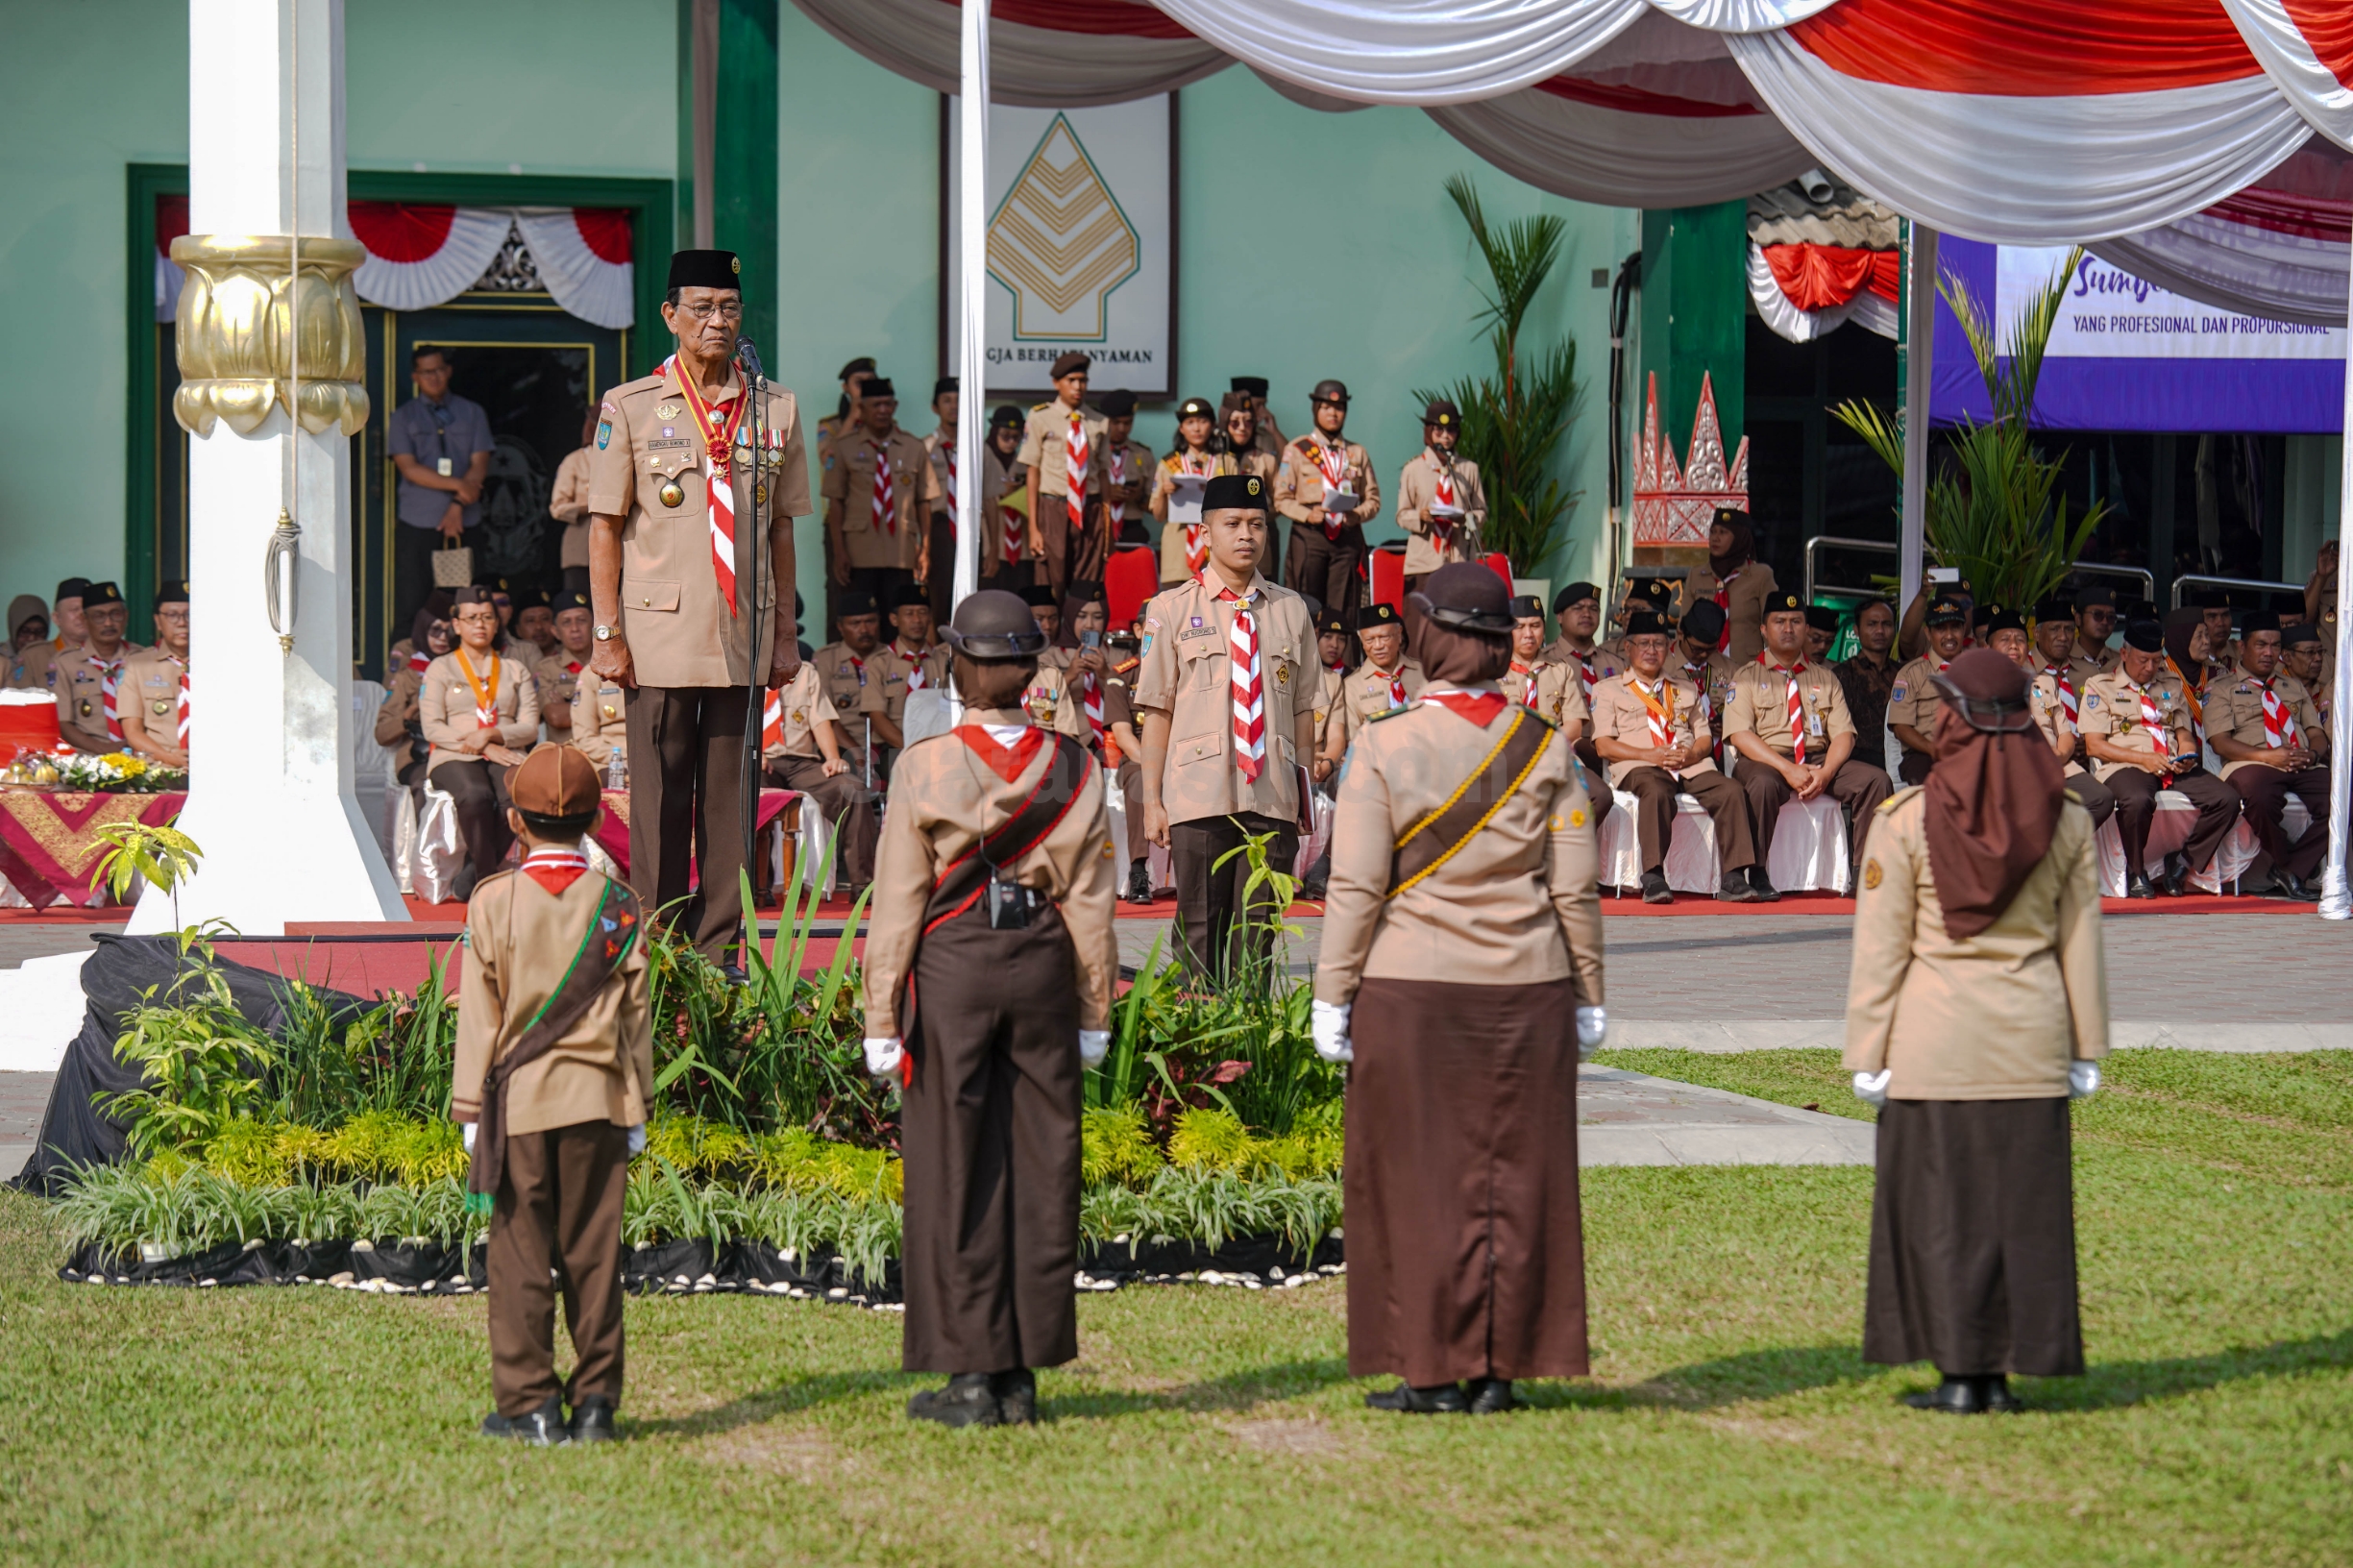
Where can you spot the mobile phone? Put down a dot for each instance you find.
(1944, 573)
(1091, 639)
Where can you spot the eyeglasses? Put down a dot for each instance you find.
(728, 310)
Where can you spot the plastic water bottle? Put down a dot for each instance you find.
(617, 771)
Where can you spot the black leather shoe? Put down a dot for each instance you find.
(2175, 876)
(542, 1428)
(2140, 886)
(1654, 889)
(1735, 888)
(966, 1402)
(592, 1420)
(1016, 1396)
(1139, 883)
(735, 974)
(461, 891)
(1994, 1393)
(2288, 884)
(1491, 1396)
(1444, 1399)
(1955, 1396)
(1766, 893)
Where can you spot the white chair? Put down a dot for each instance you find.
(438, 852)
(374, 767)
(2168, 829)
(1809, 847)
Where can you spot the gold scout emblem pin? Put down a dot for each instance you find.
(1872, 874)
(85, 707)
(673, 495)
(160, 706)
(668, 410)
(1577, 819)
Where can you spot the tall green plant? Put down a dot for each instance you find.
(1992, 514)
(1514, 420)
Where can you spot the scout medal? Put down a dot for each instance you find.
(1333, 460)
(485, 698)
(717, 425)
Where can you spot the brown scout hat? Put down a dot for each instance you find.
(1329, 391)
(1440, 413)
(556, 781)
(992, 626)
(1466, 596)
(1072, 363)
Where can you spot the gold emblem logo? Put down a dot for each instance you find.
(1060, 241)
(1872, 874)
(1576, 818)
(668, 410)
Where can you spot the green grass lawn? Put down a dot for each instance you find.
(1729, 1419)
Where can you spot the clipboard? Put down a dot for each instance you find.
(1185, 493)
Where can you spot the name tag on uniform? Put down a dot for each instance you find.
(668, 445)
(1196, 629)
(1813, 721)
(441, 466)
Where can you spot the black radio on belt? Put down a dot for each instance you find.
(1010, 905)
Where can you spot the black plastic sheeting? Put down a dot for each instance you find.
(118, 979)
(675, 1268)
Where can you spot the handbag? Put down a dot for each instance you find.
(452, 564)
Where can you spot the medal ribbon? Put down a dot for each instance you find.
(485, 701)
(1249, 691)
(2279, 725)
(1661, 716)
(885, 507)
(1075, 471)
(1333, 460)
(715, 423)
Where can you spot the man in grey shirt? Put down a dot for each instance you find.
(441, 444)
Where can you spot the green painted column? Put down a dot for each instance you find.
(1695, 310)
(728, 105)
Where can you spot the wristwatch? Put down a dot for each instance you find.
(605, 634)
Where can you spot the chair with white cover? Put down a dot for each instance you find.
(374, 767)
(2168, 829)
(1810, 851)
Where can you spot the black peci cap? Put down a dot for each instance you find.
(1250, 385)
(2259, 621)
(171, 591)
(71, 588)
(942, 387)
(2054, 608)
(850, 602)
(1234, 492)
(2145, 636)
(573, 598)
(1947, 611)
(878, 388)
(1705, 620)
(1327, 625)
(1576, 593)
(1782, 602)
(2095, 594)
(908, 595)
(1041, 596)
(1647, 623)
(2002, 620)
(707, 269)
(101, 593)
(1527, 606)
(1822, 617)
(1379, 613)
(1116, 403)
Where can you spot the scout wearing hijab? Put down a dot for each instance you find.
(1788, 722)
(400, 723)
(1737, 582)
(990, 963)
(479, 710)
(2264, 727)
(1228, 697)
(1253, 445)
(1006, 559)
(28, 629)
(1265, 435)
(1462, 848)
(1327, 547)
(2137, 730)
(1651, 733)
(30, 660)
(2054, 699)
(553, 1073)
(1386, 680)
(560, 672)
(154, 699)
(1439, 501)
(89, 678)
(2095, 624)
(1913, 704)
(801, 748)
(937, 570)
(880, 492)
(1184, 545)
(1062, 450)
(676, 500)
(1976, 1007)
(1127, 471)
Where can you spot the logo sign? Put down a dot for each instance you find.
(1081, 245)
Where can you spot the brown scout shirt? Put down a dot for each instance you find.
(599, 720)
(2059, 733)
(1746, 611)
(1187, 675)
(1714, 678)
(520, 943)
(914, 492)
(900, 666)
(1299, 484)
(801, 703)
(445, 705)
(80, 688)
(1995, 1017)
(1001, 492)
(1136, 468)
(944, 801)
(567, 504)
(1620, 715)
(2234, 708)
(1760, 706)
(1045, 447)
(2110, 708)
(1560, 695)
(1364, 696)
(148, 698)
(1913, 698)
(1417, 490)
(560, 676)
(672, 611)
(856, 686)
(1515, 906)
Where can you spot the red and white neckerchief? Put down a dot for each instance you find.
(556, 868)
(1797, 705)
(2063, 682)
(486, 696)
(1585, 676)
(419, 660)
(1090, 701)
(1116, 461)
(1444, 497)
(1724, 603)
(1196, 533)
(1249, 689)
(2152, 717)
(1527, 682)
(181, 712)
(1397, 685)
(1074, 471)
(1661, 714)
(1005, 748)
(1706, 710)
(1478, 707)
(948, 450)
(886, 501)
(110, 688)
(917, 676)
(715, 423)
(771, 722)
(1331, 458)
(2279, 725)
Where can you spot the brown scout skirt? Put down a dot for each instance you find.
(1972, 1239)
(1466, 1255)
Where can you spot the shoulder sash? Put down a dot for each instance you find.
(1434, 839)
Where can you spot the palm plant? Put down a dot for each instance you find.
(1514, 420)
(1992, 515)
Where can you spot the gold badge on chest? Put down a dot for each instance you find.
(667, 410)
(673, 493)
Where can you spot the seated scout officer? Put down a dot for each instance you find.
(1694, 658)
(1821, 631)
(1385, 680)
(2304, 654)
(2005, 631)
(1439, 502)
(1228, 697)
(554, 1072)
(1651, 733)
(880, 490)
(2095, 624)
(560, 672)
(989, 967)
(1788, 722)
(89, 678)
(800, 748)
(2269, 733)
(1644, 596)
(855, 681)
(911, 660)
(154, 699)
(2055, 701)
(1913, 704)
(480, 711)
(599, 729)
(2136, 728)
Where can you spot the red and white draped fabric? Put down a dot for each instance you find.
(1043, 53)
(2278, 247)
(1803, 291)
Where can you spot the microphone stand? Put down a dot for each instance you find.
(749, 481)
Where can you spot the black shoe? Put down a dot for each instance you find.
(2288, 884)
(966, 1402)
(461, 891)
(735, 974)
(1994, 1393)
(543, 1428)
(1735, 888)
(1955, 1396)
(1654, 889)
(1016, 1396)
(1765, 892)
(592, 1420)
(1491, 1396)
(2140, 886)
(1139, 883)
(2175, 876)
(1445, 1399)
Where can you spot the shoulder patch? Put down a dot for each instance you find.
(1385, 717)
(1898, 798)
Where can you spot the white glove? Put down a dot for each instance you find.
(1870, 1087)
(467, 1128)
(1592, 1028)
(883, 1054)
(1330, 1021)
(2082, 1080)
(637, 1139)
(1094, 1045)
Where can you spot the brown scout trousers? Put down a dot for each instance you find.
(1328, 568)
(1655, 791)
(1208, 896)
(2135, 807)
(1857, 786)
(990, 1143)
(559, 1207)
(686, 787)
(847, 805)
(2266, 790)
(1072, 554)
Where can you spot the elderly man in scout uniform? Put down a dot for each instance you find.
(1061, 451)
(1788, 722)
(2264, 727)
(678, 500)
(600, 727)
(1387, 680)
(89, 679)
(880, 491)
(2304, 654)
(1228, 697)
(1977, 1007)
(154, 699)
(560, 672)
(1327, 541)
(989, 967)
(479, 710)
(1737, 582)
(801, 749)
(2056, 698)
(937, 569)
(2137, 730)
(856, 678)
(1439, 502)
(1651, 730)
(1913, 703)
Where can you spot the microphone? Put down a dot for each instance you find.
(748, 355)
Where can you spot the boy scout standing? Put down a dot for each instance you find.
(154, 700)
(1439, 502)
(880, 492)
(676, 498)
(990, 963)
(1127, 473)
(2268, 731)
(2136, 726)
(1651, 730)
(1327, 543)
(1062, 450)
(1228, 697)
(554, 1069)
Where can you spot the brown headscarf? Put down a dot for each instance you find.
(1744, 543)
(1456, 655)
(1994, 796)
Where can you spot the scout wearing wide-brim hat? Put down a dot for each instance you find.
(991, 626)
(1329, 391)
(1440, 414)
